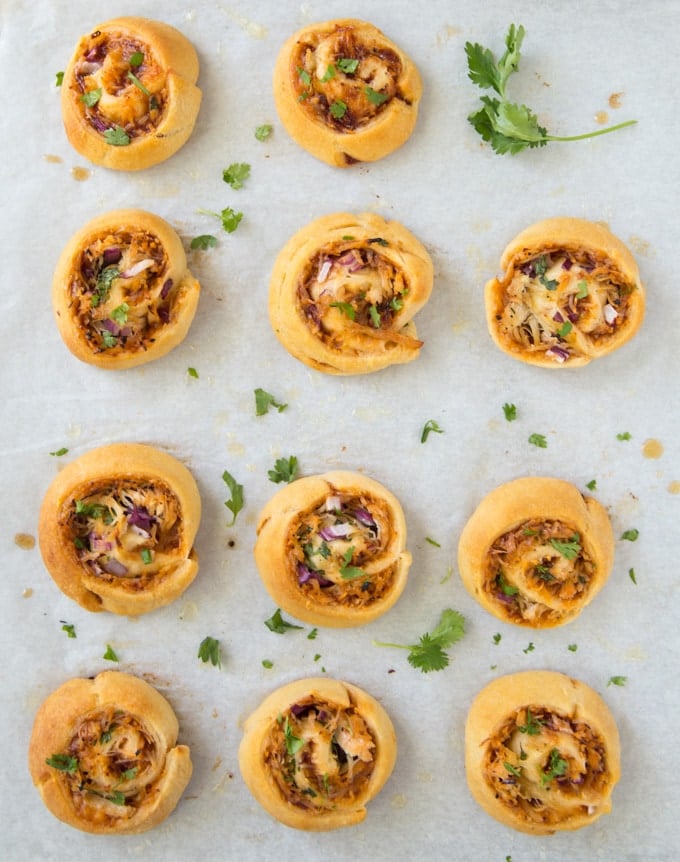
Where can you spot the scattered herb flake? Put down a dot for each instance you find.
(509, 127)
(532, 726)
(268, 663)
(59, 79)
(617, 680)
(592, 485)
(136, 59)
(110, 654)
(91, 98)
(510, 412)
(497, 638)
(236, 174)
(69, 628)
(429, 427)
(624, 435)
(284, 470)
(59, 452)
(263, 132)
(432, 542)
(507, 588)
(557, 766)
(293, 743)
(630, 535)
(192, 372)
(529, 648)
(572, 647)
(304, 76)
(631, 575)
(63, 763)
(513, 770)
(374, 97)
(264, 400)
(204, 241)
(120, 313)
(348, 65)
(117, 137)
(538, 440)
(338, 109)
(276, 623)
(429, 653)
(447, 576)
(345, 308)
(209, 651)
(235, 504)
(312, 635)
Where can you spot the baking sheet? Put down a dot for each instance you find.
(465, 203)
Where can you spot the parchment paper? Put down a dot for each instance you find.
(464, 203)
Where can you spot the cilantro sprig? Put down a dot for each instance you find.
(510, 127)
(285, 470)
(229, 217)
(430, 652)
(235, 503)
(277, 624)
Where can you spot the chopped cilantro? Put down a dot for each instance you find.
(120, 313)
(235, 504)
(263, 132)
(532, 726)
(312, 635)
(147, 556)
(117, 137)
(538, 440)
(338, 109)
(204, 241)
(374, 97)
(304, 76)
(565, 329)
(375, 316)
(59, 79)
(268, 663)
(582, 290)
(617, 680)
(284, 470)
(69, 628)
(135, 80)
(264, 400)
(91, 98)
(230, 218)
(497, 638)
(569, 549)
(506, 588)
(236, 174)
(631, 575)
(63, 763)
(572, 647)
(329, 73)
(110, 654)
(510, 412)
(293, 743)
(429, 427)
(347, 571)
(624, 435)
(136, 59)
(192, 372)
(59, 452)
(345, 308)
(529, 648)
(348, 65)
(630, 535)
(557, 766)
(209, 651)
(277, 624)
(432, 542)
(592, 485)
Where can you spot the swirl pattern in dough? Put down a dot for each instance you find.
(570, 292)
(345, 92)
(117, 527)
(344, 291)
(331, 549)
(129, 96)
(536, 551)
(542, 752)
(103, 754)
(316, 751)
(122, 293)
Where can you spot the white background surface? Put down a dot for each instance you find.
(465, 203)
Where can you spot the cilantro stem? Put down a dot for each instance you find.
(386, 644)
(590, 134)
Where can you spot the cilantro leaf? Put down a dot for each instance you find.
(209, 651)
(338, 109)
(136, 59)
(293, 743)
(63, 763)
(264, 400)
(117, 137)
(278, 625)
(192, 372)
(348, 65)
(429, 427)
(235, 504)
(429, 653)
(617, 680)
(569, 549)
(59, 452)
(205, 240)
(345, 308)
(509, 127)
(263, 132)
(91, 98)
(374, 97)
(347, 571)
(59, 79)
(510, 412)
(236, 174)
(557, 766)
(630, 535)
(592, 485)
(538, 440)
(110, 654)
(284, 470)
(69, 628)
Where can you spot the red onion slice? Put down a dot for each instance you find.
(559, 354)
(335, 531)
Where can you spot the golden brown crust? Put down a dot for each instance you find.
(154, 111)
(115, 739)
(536, 551)
(340, 741)
(121, 291)
(344, 291)
(117, 527)
(345, 92)
(331, 549)
(542, 752)
(570, 292)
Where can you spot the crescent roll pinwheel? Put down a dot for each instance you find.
(344, 291)
(331, 549)
(542, 752)
(117, 527)
(570, 292)
(345, 92)
(122, 293)
(103, 754)
(536, 551)
(129, 98)
(315, 752)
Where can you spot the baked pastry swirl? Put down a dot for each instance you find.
(331, 549)
(344, 291)
(570, 292)
(117, 527)
(542, 752)
(103, 754)
(345, 92)
(122, 293)
(535, 552)
(316, 751)
(129, 97)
